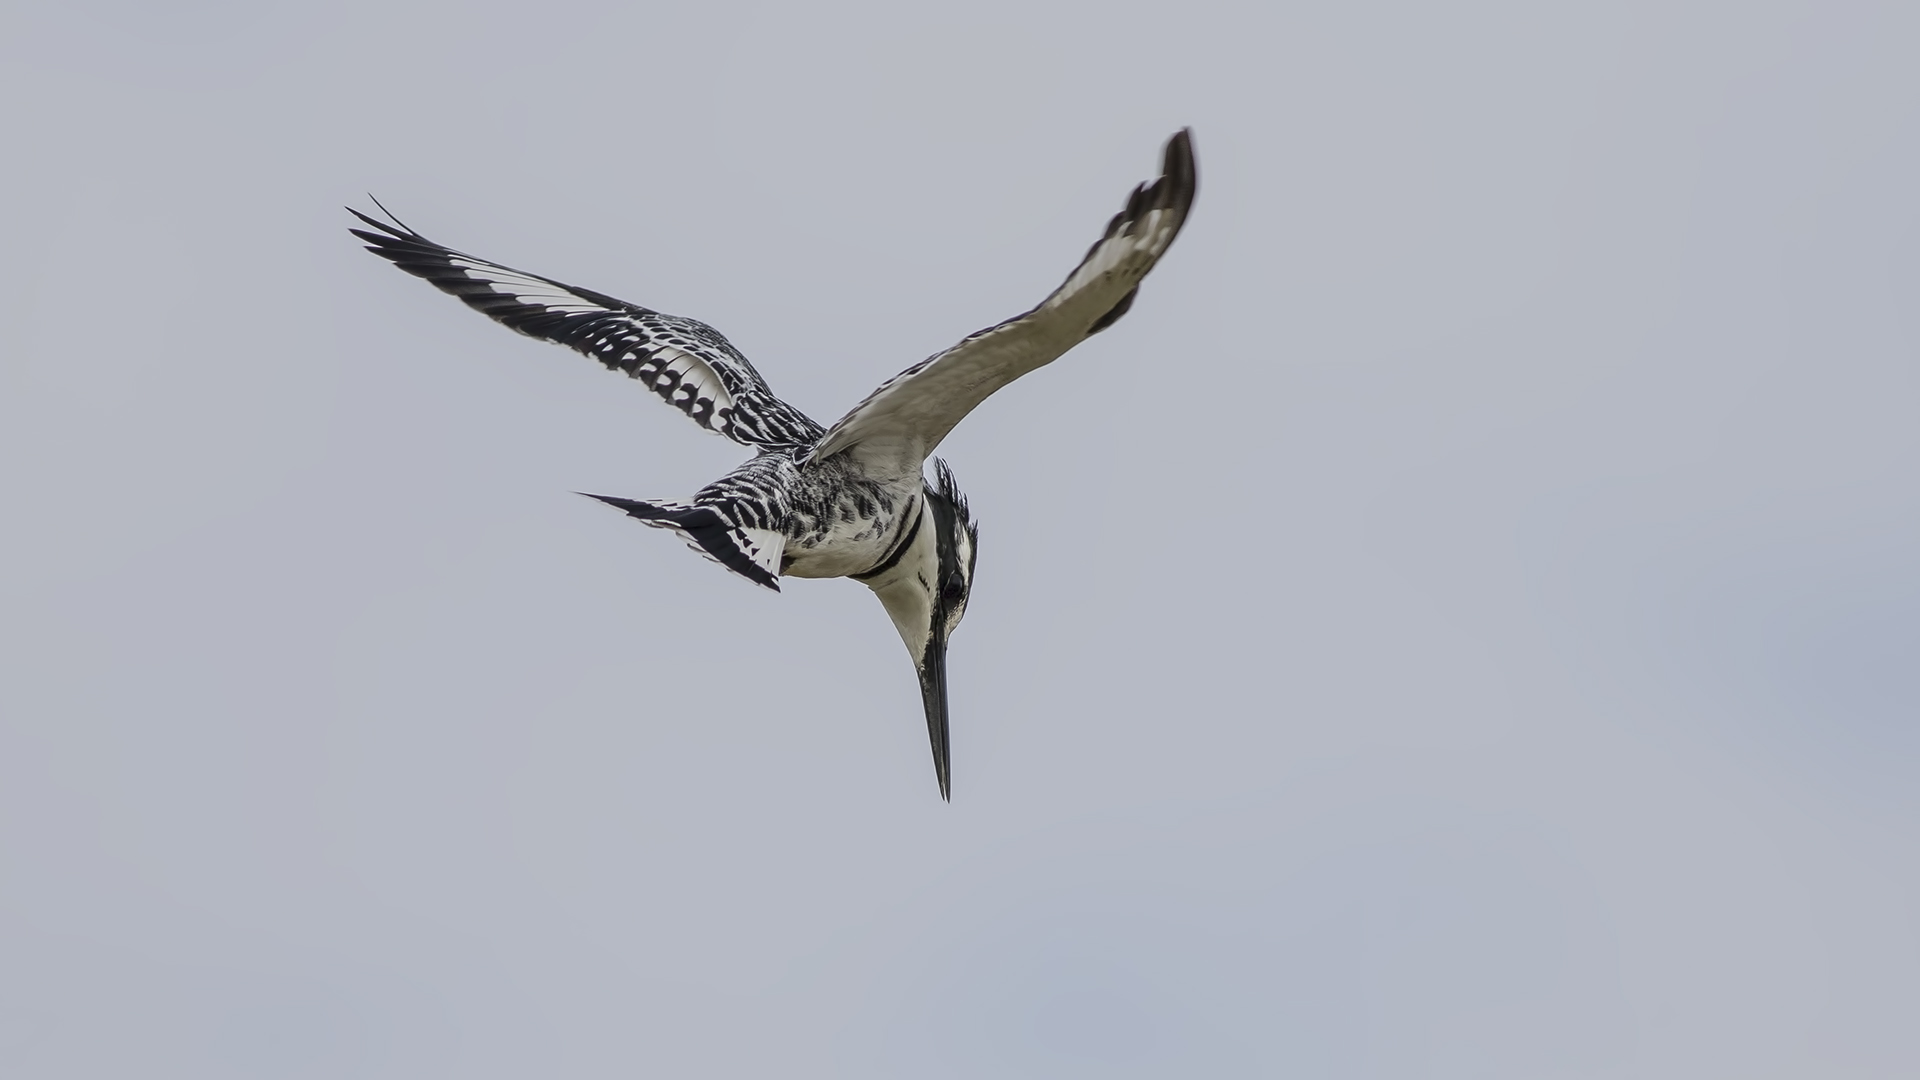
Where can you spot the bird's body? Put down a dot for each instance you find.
(837, 518)
(851, 500)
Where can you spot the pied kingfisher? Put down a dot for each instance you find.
(849, 500)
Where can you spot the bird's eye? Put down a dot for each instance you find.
(954, 591)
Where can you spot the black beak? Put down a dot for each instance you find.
(933, 690)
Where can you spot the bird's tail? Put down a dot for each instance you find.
(752, 553)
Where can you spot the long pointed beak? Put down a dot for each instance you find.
(933, 690)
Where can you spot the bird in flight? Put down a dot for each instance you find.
(851, 500)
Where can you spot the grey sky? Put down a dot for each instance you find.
(1462, 623)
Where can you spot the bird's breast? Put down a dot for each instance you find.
(842, 522)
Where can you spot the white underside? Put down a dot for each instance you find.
(850, 547)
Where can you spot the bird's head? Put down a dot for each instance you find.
(925, 592)
(956, 535)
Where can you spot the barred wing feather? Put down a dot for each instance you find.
(685, 362)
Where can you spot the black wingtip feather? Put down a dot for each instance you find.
(1179, 178)
(398, 228)
(387, 232)
(1173, 189)
(393, 217)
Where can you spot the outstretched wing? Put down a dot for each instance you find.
(686, 362)
(909, 415)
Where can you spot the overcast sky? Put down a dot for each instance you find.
(1464, 622)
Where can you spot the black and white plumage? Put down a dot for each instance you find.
(851, 500)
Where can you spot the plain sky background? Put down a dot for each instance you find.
(1463, 623)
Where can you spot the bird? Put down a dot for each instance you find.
(851, 499)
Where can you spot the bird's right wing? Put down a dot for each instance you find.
(684, 361)
(903, 421)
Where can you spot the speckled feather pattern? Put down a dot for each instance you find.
(823, 503)
(852, 501)
(687, 363)
(836, 520)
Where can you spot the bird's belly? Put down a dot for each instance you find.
(842, 520)
(847, 546)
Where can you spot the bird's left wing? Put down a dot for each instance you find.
(907, 417)
(684, 361)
